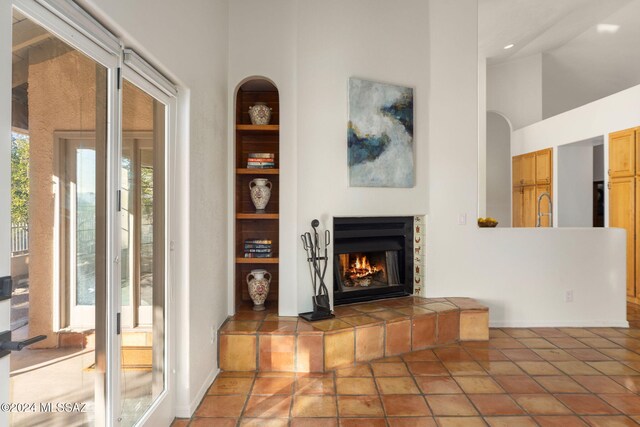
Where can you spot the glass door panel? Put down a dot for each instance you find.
(143, 296)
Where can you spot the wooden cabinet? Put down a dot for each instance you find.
(544, 168)
(624, 199)
(622, 153)
(251, 225)
(531, 176)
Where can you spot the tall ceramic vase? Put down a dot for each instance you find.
(258, 281)
(260, 114)
(260, 192)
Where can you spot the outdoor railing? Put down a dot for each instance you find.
(19, 238)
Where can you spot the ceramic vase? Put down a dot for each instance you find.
(260, 114)
(258, 281)
(260, 189)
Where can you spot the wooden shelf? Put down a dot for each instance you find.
(257, 260)
(258, 128)
(257, 216)
(256, 171)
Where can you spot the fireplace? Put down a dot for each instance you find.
(372, 258)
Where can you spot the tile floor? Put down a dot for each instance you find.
(520, 377)
(633, 315)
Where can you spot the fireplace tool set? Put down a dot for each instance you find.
(317, 257)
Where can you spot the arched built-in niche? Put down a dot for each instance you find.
(253, 143)
(498, 168)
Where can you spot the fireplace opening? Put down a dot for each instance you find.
(373, 258)
(368, 270)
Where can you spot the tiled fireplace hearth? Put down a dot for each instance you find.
(263, 341)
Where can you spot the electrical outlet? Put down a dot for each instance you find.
(568, 296)
(462, 219)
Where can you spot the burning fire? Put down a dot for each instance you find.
(362, 268)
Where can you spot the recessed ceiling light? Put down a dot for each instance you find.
(608, 28)
(509, 46)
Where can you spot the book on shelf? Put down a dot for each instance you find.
(259, 241)
(254, 255)
(260, 160)
(261, 155)
(257, 246)
(257, 251)
(249, 164)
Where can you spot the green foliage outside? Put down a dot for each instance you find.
(19, 178)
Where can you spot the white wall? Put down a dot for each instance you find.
(514, 89)
(498, 170)
(188, 41)
(575, 186)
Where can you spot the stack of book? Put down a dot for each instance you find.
(257, 248)
(261, 161)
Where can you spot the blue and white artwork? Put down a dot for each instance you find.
(380, 135)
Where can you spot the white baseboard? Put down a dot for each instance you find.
(561, 324)
(187, 411)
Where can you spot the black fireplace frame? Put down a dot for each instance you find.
(368, 234)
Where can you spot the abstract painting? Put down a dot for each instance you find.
(380, 135)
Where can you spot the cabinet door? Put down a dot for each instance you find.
(544, 205)
(633, 287)
(516, 171)
(529, 206)
(544, 166)
(516, 207)
(622, 215)
(528, 169)
(622, 153)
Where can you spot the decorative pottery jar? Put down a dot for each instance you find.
(260, 192)
(260, 114)
(258, 281)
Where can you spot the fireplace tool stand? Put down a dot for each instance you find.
(317, 257)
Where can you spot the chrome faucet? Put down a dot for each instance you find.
(550, 213)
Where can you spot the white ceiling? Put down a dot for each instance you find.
(536, 26)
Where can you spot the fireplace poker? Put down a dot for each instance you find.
(312, 246)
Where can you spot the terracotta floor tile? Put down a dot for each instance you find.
(277, 374)
(628, 404)
(311, 385)
(412, 422)
(398, 337)
(273, 385)
(486, 354)
(263, 422)
(554, 355)
(420, 356)
(575, 368)
(389, 369)
(369, 343)
(363, 422)
(501, 368)
(181, 422)
(427, 368)
(548, 332)
(598, 342)
(240, 327)
(478, 385)
(521, 354)
(505, 343)
(405, 406)
(231, 386)
(578, 332)
(355, 371)
(537, 343)
(339, 349)
(221, 406)
(560, 421)
(520, 333)
(356, 386)
(510, 421)
(438, 385)
(630, 383)
(214, 422)
(519, 384)
(451, 405)
(587, 354)
(389, 359)
(559, 384)
(539, 368)
(586, 404)
(397, 385)
(460, 422)
(276, 406)
(621, 354)
(359, 406)
(496, 404)
(609, 421)
(314, 406)
(497, 333)
(599, 384)
(314, 422)
(236, 374)
(452, 354)
(278, 327)
(541, 404)
(613, 368)
(359, 320)
(464, 368)
(566, 342)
